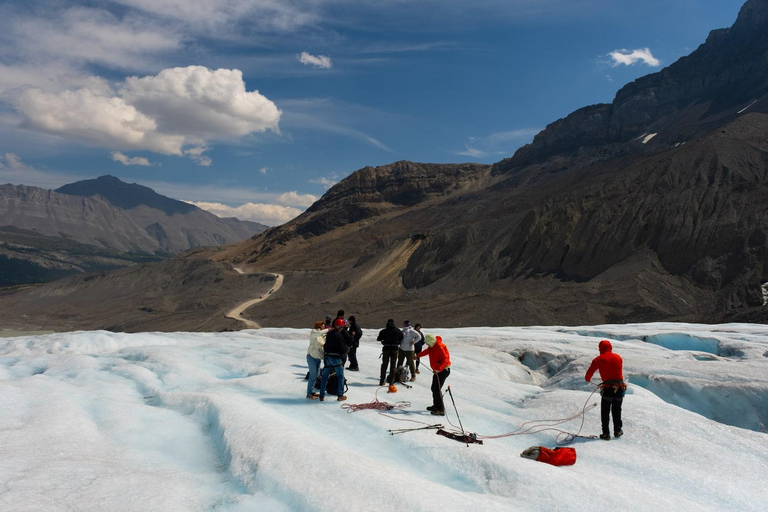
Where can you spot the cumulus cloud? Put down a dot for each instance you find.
(295, 199)
(269, 214)
(631, 57)
(319, 61)
(166, 113)
(126, 160)
(498, 143)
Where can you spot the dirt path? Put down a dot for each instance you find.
(237, 311)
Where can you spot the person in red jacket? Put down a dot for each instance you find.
(440, 362)
(612, 388)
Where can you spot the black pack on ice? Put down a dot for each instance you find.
(332, 387)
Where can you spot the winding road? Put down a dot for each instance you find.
(237, 311)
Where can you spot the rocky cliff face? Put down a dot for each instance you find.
(727, 72)
(373, 191)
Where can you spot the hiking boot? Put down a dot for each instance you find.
(341, 398)
(417, 371)
(413, 379)
(431, 408)
(381, 383)
(322, 398)
(438, 412)
(353, 369)
(606, 437)
(311, 397)
(618, 434)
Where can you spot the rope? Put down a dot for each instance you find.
(563, 437)
(376, 404)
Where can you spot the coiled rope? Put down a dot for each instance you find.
(376, 405)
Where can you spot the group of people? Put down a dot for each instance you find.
(333, 342)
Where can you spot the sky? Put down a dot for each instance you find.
(254, 108)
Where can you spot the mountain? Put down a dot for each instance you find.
(649, 208)
(96, 217)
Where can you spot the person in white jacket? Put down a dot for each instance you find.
(314, 356)
(410, 337)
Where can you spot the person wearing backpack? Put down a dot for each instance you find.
(440, 362)
(357, 333)
(390, 338)
(335, 349)
(405, 354)
(314, 356)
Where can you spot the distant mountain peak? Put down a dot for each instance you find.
(126, 195)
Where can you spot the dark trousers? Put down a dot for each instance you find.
(352, 357)
(418, 348)
(611, 405)
(388, 359)
(438, 379)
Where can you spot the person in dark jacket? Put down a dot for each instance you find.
(334, 350)
(419, 345)
(357, 333)
(611, 368)
(390, 337)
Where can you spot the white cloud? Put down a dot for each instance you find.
(166, 113)
(500, 143)
(326, 182)
(631, 57)
(295, 199)
(319, 61)
(82, 35)
(263, 170)
(269, 214)
(13, 170)
(126, 160)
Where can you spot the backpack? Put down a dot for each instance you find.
(331, 388)
(402, 374)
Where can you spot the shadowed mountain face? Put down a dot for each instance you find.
(650, 208)
(126, 195)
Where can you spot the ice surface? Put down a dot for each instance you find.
(219, 422)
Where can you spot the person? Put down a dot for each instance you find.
(357, 333)
(335, 348)
(419, 345)
(340, 314)
(440, 362)
(314, 356)
(390, 337)
(328, 322)
(612, 389)
(410, 337)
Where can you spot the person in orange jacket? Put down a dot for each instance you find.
(612, 389)
(440, 362)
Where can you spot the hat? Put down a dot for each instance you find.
(430, 339)
(339, 322)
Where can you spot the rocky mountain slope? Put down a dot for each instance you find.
(652, 207)
(96, 217)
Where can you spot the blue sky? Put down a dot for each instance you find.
(163, 92)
